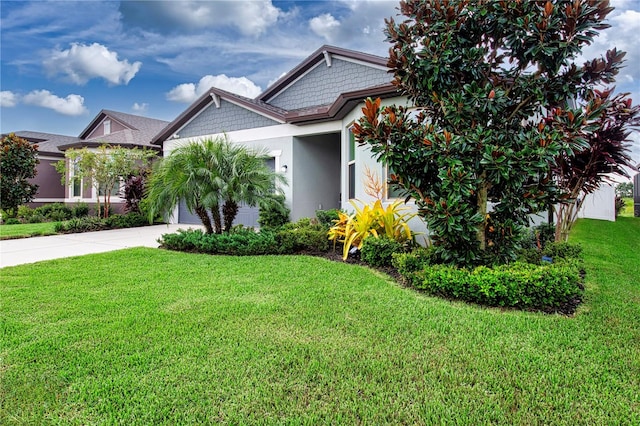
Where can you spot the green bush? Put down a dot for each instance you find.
(84, 224)
(328, 218)
(25, 212)
(54, 211)
(378, 252)
(563, 250)
(12, 221)
(273, 212)
(243, 242)
(518, 285)
(410, 264)
(80, 209)
(36, 218)
(305, 235)
(539, 236)
(129, 220)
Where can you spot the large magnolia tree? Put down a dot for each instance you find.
(493, 85)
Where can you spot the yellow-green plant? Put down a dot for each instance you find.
(372, 219)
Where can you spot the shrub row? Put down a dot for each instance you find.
(302, 236)
(522, 285)
(91, 223)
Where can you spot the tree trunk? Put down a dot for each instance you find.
(217, 221)
(204, 217)
(482, 209)
(229, 212)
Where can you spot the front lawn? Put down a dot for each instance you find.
(146, 336)
(24, 230)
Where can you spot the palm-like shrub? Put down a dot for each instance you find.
(371, 220)
(209, 175)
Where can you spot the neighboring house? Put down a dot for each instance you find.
(49, 181)
(304, 121)
(108, 127)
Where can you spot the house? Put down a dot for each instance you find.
(304, 120)
(108, 127)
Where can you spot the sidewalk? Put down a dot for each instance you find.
(35, 249)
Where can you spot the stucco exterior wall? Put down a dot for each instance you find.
(49, 181)
(316, 174)
(323, 84)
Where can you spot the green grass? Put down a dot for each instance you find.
(145, 336)
(627, 210)
(26, 230)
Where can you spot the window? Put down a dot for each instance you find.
(76, 184)
(115, 191)
(351, 167)
(107, 127)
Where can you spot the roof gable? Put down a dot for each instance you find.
(324, 55)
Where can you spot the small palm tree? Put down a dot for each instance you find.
(247, 180)
(210, 173)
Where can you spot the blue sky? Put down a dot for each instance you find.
(62, 62)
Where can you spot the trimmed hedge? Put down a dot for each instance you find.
(303, 236)
(92, 223)
(240, 242)
(378, 252)
(519, 285)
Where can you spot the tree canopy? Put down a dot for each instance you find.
(18, 162)
(491, 86)
(105, 168)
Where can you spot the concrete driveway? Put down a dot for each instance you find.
(35, 249)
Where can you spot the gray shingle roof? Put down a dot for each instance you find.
(48, 142)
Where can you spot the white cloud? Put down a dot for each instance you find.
(8, 99)
(189, 92)
(140, 107)
(251, 18)
(71, 105)
(81, 62)
(325, 26)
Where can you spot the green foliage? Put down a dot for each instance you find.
(378, 252)
(538, 237)
(273, 212)
(105, 167)
(490, 81)
(36, 218)
(129, 220)
(625, 190)
(213, 177)
(18, 162)
(92, 223)
(328, 218)
(558, 252)
(619, 203)
(54, 211)
(241, 242)
(371, 219)
(80, 209)
(518, 285)
(12, 221)
(410, 264)
(25, 212)
(82, 224)
(305, 235)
